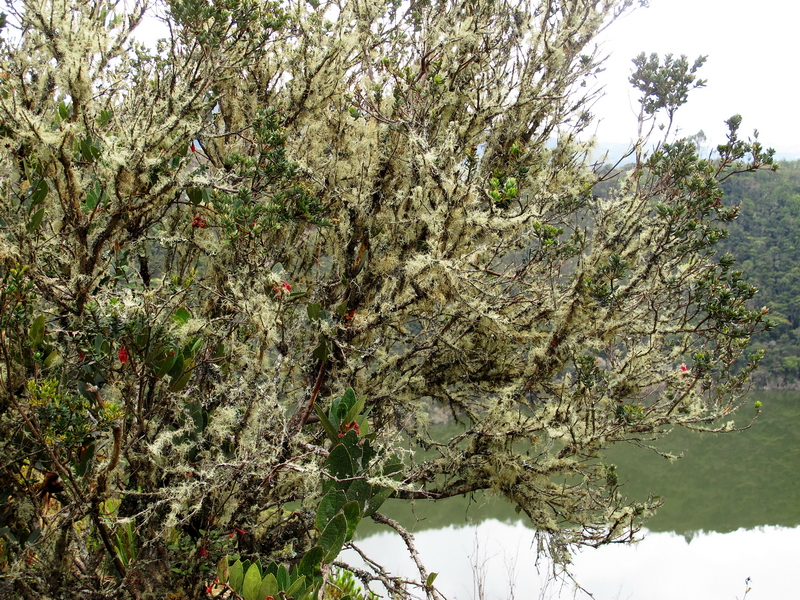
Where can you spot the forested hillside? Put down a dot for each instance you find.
(765, 240)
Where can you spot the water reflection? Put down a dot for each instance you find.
(495, 561)
(743, 489)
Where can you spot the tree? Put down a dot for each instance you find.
(242, 270)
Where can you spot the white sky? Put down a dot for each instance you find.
(752, 67)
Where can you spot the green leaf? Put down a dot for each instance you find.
(181, 316)
(104, 117)
(177, 367)
(53, 359)
(64, 111)
(431, 578)
(349, 398)
(329, 506)
(322, 350)
(198, 195)
(39, 193)
(236, 576)
(183, 379)
(269, 587)
(89, 150)
(359, 491)
(36, 333)
(309, 565)
(332, 539)
(313, 310)
(164, 366)
(339, 466)
(251, 583)
(352, 513)
(94, 196)
(379, 496)
(282, 575)
(294, 589)
(332, 432)
(355, 410)
(223, 570)
(36, 221)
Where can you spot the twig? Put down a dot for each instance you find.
(408, 538)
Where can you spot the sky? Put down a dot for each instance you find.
(752, 67)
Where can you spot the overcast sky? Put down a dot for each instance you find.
(752, 68)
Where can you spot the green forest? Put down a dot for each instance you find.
(765, 240)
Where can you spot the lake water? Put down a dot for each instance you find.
(731, 512)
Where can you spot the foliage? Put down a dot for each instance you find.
(766, 245)
(207, 245)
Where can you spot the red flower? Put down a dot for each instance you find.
(123, 355)
(283, 288)
(684, 368)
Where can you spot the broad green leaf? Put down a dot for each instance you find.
(251, 583)
(309, 564)
(354, 411)
(349, 398)
(183, 380)
(177, 367)
(282, 576)
(36, 220)
(198, 195)
(181, 316)
(431, 578)
(359, 491)
(379, 496)
(36, 332)
(322, 350)
(352, 513)
(236, 576)
(329, 506)
(223, 570)
(89, 150)
(39, 193)
(269, 587)
(339, 466)
(294, 589)
(332, 539)
(313, 311)
(164, 366)
(53, 359)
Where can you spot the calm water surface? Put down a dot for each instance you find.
(731, 511)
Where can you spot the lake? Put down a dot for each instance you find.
(731, 512)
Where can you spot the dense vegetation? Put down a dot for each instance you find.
(765, 240)
(241, 269)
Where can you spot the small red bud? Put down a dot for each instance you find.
(123, 355)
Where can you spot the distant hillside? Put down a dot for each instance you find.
(765, 240)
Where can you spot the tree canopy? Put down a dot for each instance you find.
(244, 270)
